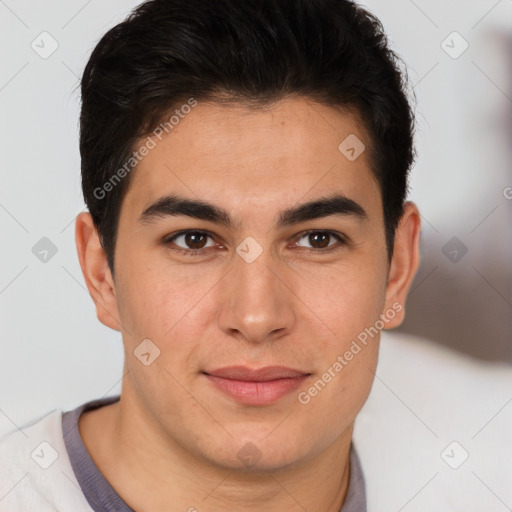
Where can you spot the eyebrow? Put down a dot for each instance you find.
(174, 205)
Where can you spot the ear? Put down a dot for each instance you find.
(96, 272)
(404, 263)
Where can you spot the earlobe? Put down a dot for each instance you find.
(96, 272)
(404, 263)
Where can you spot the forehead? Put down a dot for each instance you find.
(268, 157)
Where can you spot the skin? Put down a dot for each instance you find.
(173, 437)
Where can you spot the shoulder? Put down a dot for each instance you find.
(35, 474)
(435, 428)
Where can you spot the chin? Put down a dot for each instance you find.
(261, 454)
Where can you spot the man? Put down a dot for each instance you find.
(245, 169)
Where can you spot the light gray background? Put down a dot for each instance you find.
(55, 353)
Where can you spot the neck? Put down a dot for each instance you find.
(149, 470)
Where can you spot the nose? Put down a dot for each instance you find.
(257, 304)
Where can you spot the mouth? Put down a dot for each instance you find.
(261, 386)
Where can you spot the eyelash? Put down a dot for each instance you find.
(193, 252)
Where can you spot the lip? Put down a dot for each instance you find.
(266, 373)
(261, 386)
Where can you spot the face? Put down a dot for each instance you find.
(263, 274)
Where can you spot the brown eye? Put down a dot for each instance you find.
(195, 240)
(190, 240)
(321, 239)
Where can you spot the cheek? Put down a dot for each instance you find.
(343, 301)
(337, 393)
(164, 303)
(148, 293)
(139, 302)
(346, 365)
(351, 302)
(346, 393)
